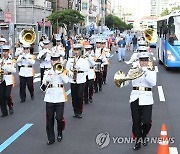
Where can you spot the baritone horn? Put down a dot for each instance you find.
(120, 77)
(27, 36)
(150, 35)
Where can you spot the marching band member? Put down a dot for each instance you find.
(106, 53)
(59, 49)
(135, 55)
(100, 59)
(44, 56)
(55, 98)
(88, 92)
(26, 72)
(18, 52)
(141, 100)
(78, 67)
(8, 66)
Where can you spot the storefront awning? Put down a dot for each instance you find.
(47, 24)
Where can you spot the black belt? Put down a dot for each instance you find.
(55, 86)
(91, 67)
(26, 66)
(142, 88)
(80, 71)
(9, 73)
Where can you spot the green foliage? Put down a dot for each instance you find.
(114, 22)
(66, 17)
(176, 8)
(165, 12)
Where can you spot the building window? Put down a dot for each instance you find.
(94, 8)
(84, 6)
(26, 2)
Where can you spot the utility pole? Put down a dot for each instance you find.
(44, 26)
(14, 11)
(102, 14)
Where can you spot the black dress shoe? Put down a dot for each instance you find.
(4, 115)
(50, 142)
(79, 116)
(75, 115)
(32, 97)
(145, 141)
(22, 101)
(137, 146)
(11, 111)
(59, 137)
(100, 89)
(90, 100)
(86, 102)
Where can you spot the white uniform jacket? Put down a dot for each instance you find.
(17, 53)
(27, 61)
(59, 49)
(91, 63)
(148, 79)
(56, 92)
(46, 63)
(82, 64)
(99, 55)
(9, 67)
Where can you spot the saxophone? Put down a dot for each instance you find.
(1, 71)
(75, 71)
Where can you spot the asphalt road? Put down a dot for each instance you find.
(109, 112)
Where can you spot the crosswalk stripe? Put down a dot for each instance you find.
(161, 94)
(156, 69)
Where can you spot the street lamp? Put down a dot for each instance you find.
(44, 18)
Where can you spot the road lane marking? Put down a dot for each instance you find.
(154, 58)
(68, 92)
(11, 139)
(161, 94)
(156, 69)
(37, 80)
(173, 150)
(37, 74)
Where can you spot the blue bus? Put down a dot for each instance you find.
(168, 43)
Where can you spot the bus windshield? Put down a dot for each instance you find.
(174, 29)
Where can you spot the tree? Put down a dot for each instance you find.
(66, 18)
(114, 22)
(165, 12)
(176, 8)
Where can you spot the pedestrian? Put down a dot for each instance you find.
(26, 72)
(7, 67)
(128, 40)
(55, 97)
(122, 48)
(134, 42)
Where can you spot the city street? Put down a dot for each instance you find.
(109, 112)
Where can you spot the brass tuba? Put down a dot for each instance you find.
(120, 78)
(27, 36)
(150, 36)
